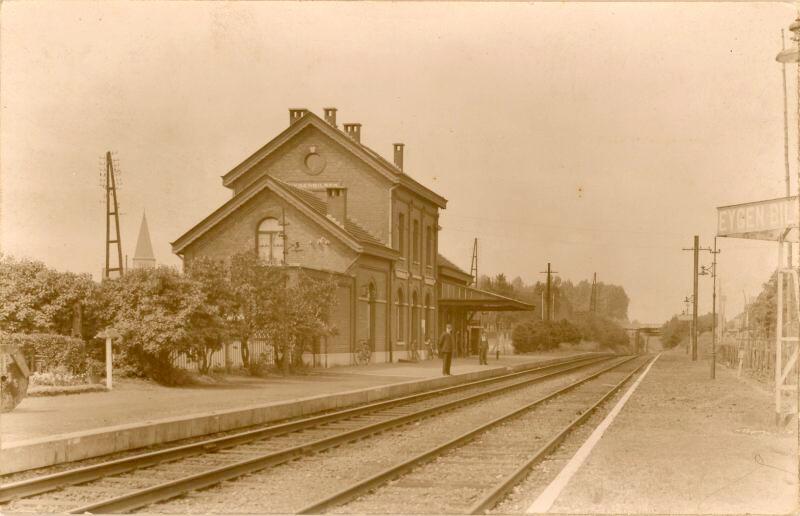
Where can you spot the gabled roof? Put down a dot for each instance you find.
(321, 207)
(369, 156)
(451, 269)
(349, 232)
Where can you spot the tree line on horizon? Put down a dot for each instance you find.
(572, 322)
(758, 317)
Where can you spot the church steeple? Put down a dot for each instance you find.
(143, 257)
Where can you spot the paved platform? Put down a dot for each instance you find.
(691, 445)
(50, 430)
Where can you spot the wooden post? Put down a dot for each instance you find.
(109, 334)
(779, 335)
(694, 306)
(109, 366)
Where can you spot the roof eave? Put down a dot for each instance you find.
(422, 190)
(381, 251)
(455, 274)
(310, 118)
(240, 199)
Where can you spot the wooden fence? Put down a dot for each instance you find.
(258, 349)
(757, 354)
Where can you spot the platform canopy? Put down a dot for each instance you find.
(477, 300)
(761, 220)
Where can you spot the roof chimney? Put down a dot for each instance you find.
(353, 131)
(330, 115)
(398, 155)
(337, 203)
(296, 114)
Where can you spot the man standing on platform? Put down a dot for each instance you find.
(483, 350)
(446, 349)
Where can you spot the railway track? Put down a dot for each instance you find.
(129, 483)
(472, 472)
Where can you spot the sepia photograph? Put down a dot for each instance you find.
(399, 258)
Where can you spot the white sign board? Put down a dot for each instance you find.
(762, 220)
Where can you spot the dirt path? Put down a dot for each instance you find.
(687, 444)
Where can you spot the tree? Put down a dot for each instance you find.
(297, 315)
(154, 310)
(602, 330)
(310, 301)
(214, 323)
(763, 311)
(674, 331)
(254, 286)
(612, 300)
(543, 335)
(37, 299)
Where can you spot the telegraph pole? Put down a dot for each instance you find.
(688, 301)
(112, 212)
(696, 250)
(714, 254)
(473, 270)
(548, 295)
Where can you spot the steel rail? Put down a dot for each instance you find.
(80, 475)
(167, 490)
(500, 490)
(355, 490)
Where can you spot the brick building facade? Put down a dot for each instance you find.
(315, 197)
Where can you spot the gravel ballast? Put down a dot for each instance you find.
(289, 487)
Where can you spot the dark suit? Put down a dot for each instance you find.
(483, 349)
(446, 351)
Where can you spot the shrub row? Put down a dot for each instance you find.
(543, 335)
(50, 350)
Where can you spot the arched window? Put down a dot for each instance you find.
(269, 241)
(401, 316)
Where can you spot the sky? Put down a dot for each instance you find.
(597, 137)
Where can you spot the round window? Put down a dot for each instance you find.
(314, 163)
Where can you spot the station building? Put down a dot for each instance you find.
(316, 198)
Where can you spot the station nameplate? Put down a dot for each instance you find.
(762, 220)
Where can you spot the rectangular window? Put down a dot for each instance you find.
(401, 233)
(401, 320)
(415, 236)
(428, 247)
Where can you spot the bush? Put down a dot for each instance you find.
(543, 335)
(262, 365)
(522, 339)
(95, 369)
(53, 351)
(56, 378)
(37, 299)
(604, 331)
(154, 310)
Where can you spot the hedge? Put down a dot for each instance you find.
(51, 350)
